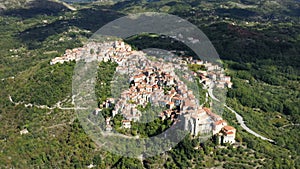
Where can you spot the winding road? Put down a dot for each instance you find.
(238, 117)
(210, 93)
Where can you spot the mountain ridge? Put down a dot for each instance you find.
(14, 4)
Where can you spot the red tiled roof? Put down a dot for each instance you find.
(229, 133)
(139, 76)
(209, 112)
(220, 122)
(228, 128)
(173, 90)
(176, 98)
(201, 111)
(125, 121)
(171, 103)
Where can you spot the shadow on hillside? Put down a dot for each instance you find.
(32, 12)
(236, 13)
(35, 8)
(88, 19)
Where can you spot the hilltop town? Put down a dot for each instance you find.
(258, 43)
(154, 81)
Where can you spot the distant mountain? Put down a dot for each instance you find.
(89, 1)
(48, 4)
(80, 1)
(6, 4)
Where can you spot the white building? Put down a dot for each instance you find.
(24, 131)
(198, 123)
(218, 125)
(126, 124)
(228, 134)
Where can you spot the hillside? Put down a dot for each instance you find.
(43, 4)
(4, 4)
(258, 42)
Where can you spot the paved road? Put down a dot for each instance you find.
(238, 117)
(243, 125)
(210, 92)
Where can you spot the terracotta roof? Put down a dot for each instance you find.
(188, 103)
(201, 111)
(209, 112)
(194, 116)
(125, 121)
(220, 122)
(171, 103)
(228, 128)
(230, 133)
(141, 86)
(139, 76)
(177, 98)
(173, 91)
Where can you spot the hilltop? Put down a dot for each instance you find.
(42, 4)
(258, 42)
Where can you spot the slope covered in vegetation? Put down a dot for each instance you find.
(257, 40)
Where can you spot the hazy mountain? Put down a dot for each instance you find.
(78, 1)
(49, 4)
(5, 4)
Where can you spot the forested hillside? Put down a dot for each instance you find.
(258, 42)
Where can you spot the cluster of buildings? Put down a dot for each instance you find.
(155, 82)
(215, 78)
(107, 51)
(205, 121)
(70, 55)
(212, 75)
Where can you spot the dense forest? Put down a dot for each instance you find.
(258, 43)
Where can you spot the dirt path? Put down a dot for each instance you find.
(289, 125)
(57, 105)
